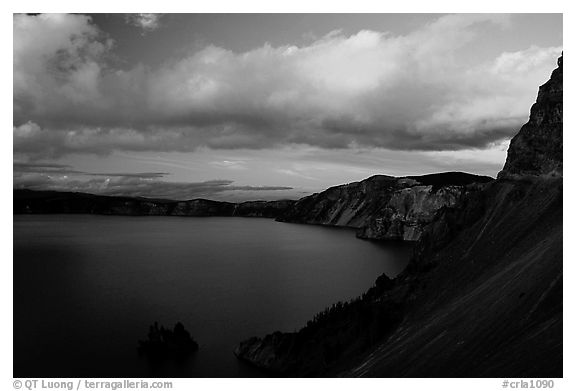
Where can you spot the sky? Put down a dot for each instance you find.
(268, 106)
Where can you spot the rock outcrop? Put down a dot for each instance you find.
(537, 148)
(32, 202)
(385, 207)
(481, 296)
(410, 210)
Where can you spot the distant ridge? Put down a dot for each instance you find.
(52, 202)
(450, 178)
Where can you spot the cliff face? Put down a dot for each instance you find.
(349, 205)
(410, 210)
(384, 207)
(537, 148)
(30, 202)
(481, 296)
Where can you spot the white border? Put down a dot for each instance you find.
(306, 6)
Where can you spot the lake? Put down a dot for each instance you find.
(86, 288)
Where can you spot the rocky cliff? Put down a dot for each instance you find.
(537, 148)
(385, 207)
(481, 296)
(31, 202)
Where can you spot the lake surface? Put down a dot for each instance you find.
(86, 288)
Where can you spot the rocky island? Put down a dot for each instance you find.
(163, 343)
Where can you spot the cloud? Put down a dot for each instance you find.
(58, 60)
(417, 91)
(51, 176)
(230, 164)
(43, 167)
(146, 22)
(64, 169)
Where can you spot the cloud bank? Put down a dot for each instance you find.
(407, 92)
(60, 177)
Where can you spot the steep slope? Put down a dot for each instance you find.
(482, 295)
(385, 207)
(489, 302)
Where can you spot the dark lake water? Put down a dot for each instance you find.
(86, 288)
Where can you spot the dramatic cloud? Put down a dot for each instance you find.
(417, 91)
(50, 176)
